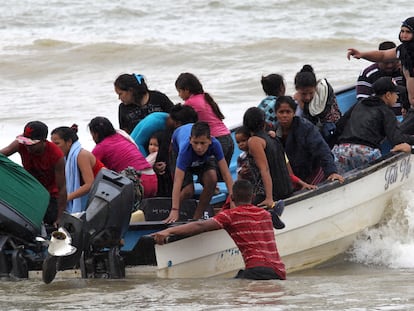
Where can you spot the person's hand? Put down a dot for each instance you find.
(305, 185)
(160, 237)
(159, 167)
(354, 53)
(337, 177)
(173, 217)
(402, 147)
(272, 134)
(267, 203)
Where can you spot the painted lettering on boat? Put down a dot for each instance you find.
(397, 172)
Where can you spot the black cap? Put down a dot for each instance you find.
(409, 23)
(384, 85)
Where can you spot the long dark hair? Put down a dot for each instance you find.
(102, 127)
(188, 81)
(132, 82)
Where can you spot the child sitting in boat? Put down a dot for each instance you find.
(258, 247)
(200, 154)
(153, 146)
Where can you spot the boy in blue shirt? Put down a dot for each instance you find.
(200, 154)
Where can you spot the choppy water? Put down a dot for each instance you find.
(58, 61)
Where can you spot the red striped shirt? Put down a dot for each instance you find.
(251, 229)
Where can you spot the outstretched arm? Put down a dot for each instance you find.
(373, 56)
(10, 149)
(191, 228)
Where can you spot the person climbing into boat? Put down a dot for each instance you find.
(81, 167)
(309, 155)
(268, 161)
(387, 68)
(404, 52)
(45, 161)
(118, 152)
(190, 89)
(274, 86)
(366, 124)
(166, 158)
(317, 102)
(137, 101)
(258, 247)
(198, 153)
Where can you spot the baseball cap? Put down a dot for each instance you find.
(34, 132)
(384, 85)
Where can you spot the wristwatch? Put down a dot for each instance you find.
(412, 149)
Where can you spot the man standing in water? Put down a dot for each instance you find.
(45, 161)
(258, 247)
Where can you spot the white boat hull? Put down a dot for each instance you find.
(318, 227)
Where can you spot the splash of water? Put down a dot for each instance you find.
(391, 243)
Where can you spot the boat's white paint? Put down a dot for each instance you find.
(317, 228)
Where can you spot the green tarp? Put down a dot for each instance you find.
(22, 192)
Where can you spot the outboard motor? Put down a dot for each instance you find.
(106, 220)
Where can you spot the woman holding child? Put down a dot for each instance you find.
(268, 161)
(118, 152)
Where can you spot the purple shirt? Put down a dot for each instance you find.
(117, 153)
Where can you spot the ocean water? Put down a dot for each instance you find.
(58, 61)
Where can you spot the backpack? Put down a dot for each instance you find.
(135, 177)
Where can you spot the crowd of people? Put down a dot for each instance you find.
(289, 143)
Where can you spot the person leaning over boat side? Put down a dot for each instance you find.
(258, 247)
(386, 68)
(198, 153)
(268, 161)
(45, 161)
(274, 86)
(81, 167)
(190, 89)
(309, 155)
(367, 123)
(137, 101)
(405, 52)
(118, 152)
(317, 102)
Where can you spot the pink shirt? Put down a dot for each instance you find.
(117, 153)
(205, 113)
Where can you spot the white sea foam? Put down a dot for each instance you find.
(392, 242)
